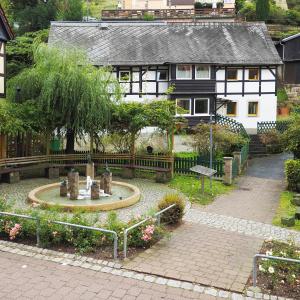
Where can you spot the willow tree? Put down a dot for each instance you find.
(69, 93)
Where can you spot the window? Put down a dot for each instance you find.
(232, 74)
(162, 75)
(201, 106)
(183, 107)
(124, 76)
(231, 109)
(254, 74)
(184, 72)
(202, 72)
(252, 109)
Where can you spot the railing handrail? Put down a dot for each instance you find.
(256, 256)
(157, 214)
(37, 219)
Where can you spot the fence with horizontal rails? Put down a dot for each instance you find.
(182, 165)
(267, 126)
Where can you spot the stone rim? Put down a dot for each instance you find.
(133, 199)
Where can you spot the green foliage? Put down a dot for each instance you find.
(224, 140)
(70, 10)
(186, 154)
(280, 272)
(94, 7)
(282, 96)
(148, 17)
(291, 137)
(191, 187)
(292, 172)
(19, 51)
(175, 214)
(248, 10)
(67, 90)
(286, 208)
(273, 140)
(262, 10)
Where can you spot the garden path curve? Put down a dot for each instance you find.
(216, 244)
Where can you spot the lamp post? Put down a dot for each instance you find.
(210, 148)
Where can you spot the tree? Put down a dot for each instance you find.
(262, 10)
(70, 10)
(69, 93)
(291, 137)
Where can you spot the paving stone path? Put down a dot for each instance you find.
(217, 243)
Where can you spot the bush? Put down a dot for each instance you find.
(272, 140)
(175, 214)
(292, 172)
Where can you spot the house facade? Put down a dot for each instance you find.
(5, 35)
(289, 51)
(206, 68)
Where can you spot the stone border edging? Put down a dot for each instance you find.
(116, 269)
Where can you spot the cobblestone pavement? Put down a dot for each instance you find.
(257, 194)
(28, 278)
(201, 254)
(246, 227)
(151, 192)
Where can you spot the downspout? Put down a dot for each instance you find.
(283, 54)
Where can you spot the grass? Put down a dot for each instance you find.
(186, 154)
(191, 187)
(286, 209)
(96, 7)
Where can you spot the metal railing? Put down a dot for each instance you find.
(256, 256)
(156, 215)
(114, 233)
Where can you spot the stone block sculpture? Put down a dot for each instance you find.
(95, 191)
(73, 182)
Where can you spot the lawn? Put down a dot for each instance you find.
(286, 209)
(191, 187)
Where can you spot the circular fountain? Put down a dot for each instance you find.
(90, 195)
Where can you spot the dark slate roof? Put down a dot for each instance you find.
(149, 43)
(297, 35)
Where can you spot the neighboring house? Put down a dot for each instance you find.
(289, 51)
(5, 35)
(167, 4)
(208, 64)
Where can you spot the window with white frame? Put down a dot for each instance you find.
(184, 72)
(201, 106)
(162, 75)
(124, 76)
(202, 72)
(183, 107)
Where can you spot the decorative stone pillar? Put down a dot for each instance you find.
(106, 182)
(63, 189)
(13, 177)
(95, 191)
(73, 184)
(228, 170)
(237, 155)
(90, 170)
(52, 173)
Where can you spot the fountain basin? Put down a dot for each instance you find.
(48, 196)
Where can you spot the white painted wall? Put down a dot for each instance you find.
(267, 104)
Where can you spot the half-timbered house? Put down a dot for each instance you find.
(225, 68)
(5, 35)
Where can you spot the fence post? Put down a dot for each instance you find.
(38, 226)
(237, 155)
(228, 170)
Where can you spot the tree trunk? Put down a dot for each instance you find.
(70, 141)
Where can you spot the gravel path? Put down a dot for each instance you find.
(151, 192)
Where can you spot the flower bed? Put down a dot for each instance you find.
(70, 239)
(278, 277)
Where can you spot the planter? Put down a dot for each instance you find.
(284, 111)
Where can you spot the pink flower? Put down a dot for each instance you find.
(14, 231)
(147, 233)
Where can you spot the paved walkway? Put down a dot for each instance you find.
(217, 243)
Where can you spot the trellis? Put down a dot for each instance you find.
(231, 124)
(265, 127)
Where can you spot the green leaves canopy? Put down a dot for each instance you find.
(67, 90)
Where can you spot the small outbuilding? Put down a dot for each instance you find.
(289, 51)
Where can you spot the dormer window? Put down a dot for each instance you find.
(184, 72)
(202, 72)
(232, 74)
(254, 74)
